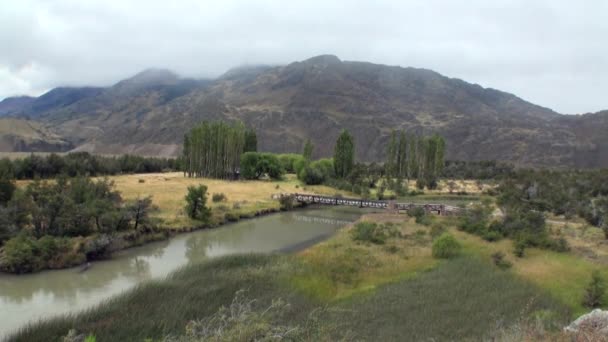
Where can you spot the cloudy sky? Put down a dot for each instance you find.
(553, 53)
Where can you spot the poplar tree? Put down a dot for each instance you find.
(403, 154)
(251, 141)
(344, 154)
(391, 156)
(307, 152)
(213, 149)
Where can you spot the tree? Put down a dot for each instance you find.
(402, 156)
(7, 189)
(213, 149)
(594, 291)
(251, 141)
(307, 152)
(254, 165)
(196, 203)
(391, 156)
(344, 154)
(139, 211)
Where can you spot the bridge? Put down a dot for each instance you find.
(440, 209)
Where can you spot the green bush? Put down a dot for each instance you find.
(254, 165)
(416, 212)
(290, 161)
(491, 236)
(595, 291)
(437, 229)
(219, 197)
(373, 232)
(7, 189)
(446, 247)
(317, 172)
(25, 253)
(196, 203)
(519, 248)
(499, 260)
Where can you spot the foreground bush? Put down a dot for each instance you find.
(595, 291)
(446, 247)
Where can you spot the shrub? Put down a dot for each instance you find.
(558, 245)
(289, 160)
(437, 229)
(416, 212)
(446, 247)
(254, 165)
(219, 197)
(491, 236)
(374, 233)
(231, 217)
(594, 291)
(7, 189)
(196, 203)
(520, 247)
(499, 260)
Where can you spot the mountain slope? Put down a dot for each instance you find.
(17, 135)
(316, 98)
(14, 104)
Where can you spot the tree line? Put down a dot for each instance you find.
(82, 163)
(214, 149)
(40, 223)
(415, 157)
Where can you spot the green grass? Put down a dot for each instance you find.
(162, 307)
(563, 275)
(459, 298)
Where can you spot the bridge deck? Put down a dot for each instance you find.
(440, 209)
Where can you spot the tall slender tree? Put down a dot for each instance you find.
(307, 152)
(213, 149)
(344, 154)
(391, 156)
(251, 141)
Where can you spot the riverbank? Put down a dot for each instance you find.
(339, 288)
(239, 200)
(42, 295)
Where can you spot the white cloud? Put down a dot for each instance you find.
(549, 52)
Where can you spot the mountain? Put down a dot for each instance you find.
(32, 107)
(18, 135)
(14, 104)
(315, 98)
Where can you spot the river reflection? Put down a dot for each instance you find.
(30, 297)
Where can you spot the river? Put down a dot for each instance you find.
(27, 298)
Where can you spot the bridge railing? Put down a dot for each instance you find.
(441, 209)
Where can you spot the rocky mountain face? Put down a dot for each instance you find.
(150, 112)
(19, 135)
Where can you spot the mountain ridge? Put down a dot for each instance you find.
(317, 97)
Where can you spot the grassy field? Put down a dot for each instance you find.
(563, 275)
(361, 291)
(243, 198)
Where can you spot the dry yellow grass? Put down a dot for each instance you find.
(169, 189)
